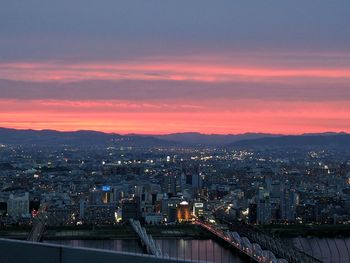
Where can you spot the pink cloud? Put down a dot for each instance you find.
(208, 71)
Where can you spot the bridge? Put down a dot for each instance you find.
(277, 246)
(250, 245)
(274, 245)
(146, 240)
(39, 223)
(242, 245)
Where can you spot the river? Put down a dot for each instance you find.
(328, 250)
(196, 250)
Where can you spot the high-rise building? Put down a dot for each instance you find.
(197, 181)
(169, 208)
(289, 201)
(170, 184)
(131, 210)
(252, 216)
(263, 207)
(107, 194)
(82, 205)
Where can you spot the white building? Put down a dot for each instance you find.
(154, 218)
(18, 206)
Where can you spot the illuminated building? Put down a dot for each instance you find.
(107, 194)
(169, 208)
(103, 214)
(183, 212)
(198, 209)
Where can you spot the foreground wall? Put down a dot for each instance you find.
(14, 251)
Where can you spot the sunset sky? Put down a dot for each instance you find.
(161, 66)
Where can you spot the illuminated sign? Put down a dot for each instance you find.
(198, 205)
(106, 188)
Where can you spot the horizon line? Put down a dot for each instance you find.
(178, 132)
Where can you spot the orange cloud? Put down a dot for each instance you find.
(245, 116)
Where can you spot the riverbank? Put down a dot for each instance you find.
(110, 232)
(321, 231)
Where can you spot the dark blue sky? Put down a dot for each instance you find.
(85, 29)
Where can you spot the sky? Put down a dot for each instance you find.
(161, 66)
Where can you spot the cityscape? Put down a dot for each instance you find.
(285, 192)
(167, 131)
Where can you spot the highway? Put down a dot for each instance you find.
(39, 222)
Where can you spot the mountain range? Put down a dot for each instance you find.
(51, 137)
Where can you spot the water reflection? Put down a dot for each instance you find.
(196, 250)
(326, 249)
